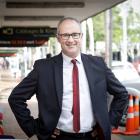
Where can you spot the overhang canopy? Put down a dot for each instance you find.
(49, 12)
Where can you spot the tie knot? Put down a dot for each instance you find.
(74, 61)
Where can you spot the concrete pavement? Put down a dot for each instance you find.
(10, 125)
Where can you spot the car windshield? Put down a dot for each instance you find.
(124, 72)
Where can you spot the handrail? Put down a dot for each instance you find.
(133, 91)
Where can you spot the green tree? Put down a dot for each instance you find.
(117, 26)
(98, 27)
(133, 27)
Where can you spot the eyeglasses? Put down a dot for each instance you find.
(73, 35)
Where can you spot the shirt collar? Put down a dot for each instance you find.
(68, 59)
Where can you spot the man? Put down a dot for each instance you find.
(52, 82)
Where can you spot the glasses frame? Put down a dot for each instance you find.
(66, 36)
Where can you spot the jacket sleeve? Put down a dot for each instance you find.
(120, 97)
(17, 101)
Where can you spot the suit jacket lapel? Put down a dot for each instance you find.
(58, 71)
(90, 71)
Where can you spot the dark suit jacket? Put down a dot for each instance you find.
(46, 81)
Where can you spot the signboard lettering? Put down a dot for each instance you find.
(25, 36)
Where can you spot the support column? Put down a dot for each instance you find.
(83, 49)
(91, 35)
(108, 46)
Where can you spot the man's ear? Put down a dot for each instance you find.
(58, 38)
(81, 35)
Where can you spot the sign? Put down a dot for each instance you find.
(27, 32)
(25, 36)
(23, 43)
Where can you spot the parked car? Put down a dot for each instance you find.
(127, 74)
(129, 77)
(136, 63)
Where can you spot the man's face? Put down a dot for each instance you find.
(70, 38)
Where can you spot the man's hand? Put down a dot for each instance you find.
(55, 133)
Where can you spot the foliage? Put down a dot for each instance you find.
(133, 26)
(117, 31)
(98, 27)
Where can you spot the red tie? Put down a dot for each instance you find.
(76, 106)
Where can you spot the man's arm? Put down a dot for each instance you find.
(17, 101)
(120, 97)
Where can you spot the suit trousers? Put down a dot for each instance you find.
(72, 138)
(61, 135)
(65, 137)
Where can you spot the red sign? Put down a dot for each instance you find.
(23, 43)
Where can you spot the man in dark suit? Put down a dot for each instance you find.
(51, 81)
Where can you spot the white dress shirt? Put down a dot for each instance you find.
(87, 119)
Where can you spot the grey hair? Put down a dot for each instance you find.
(68, 18)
